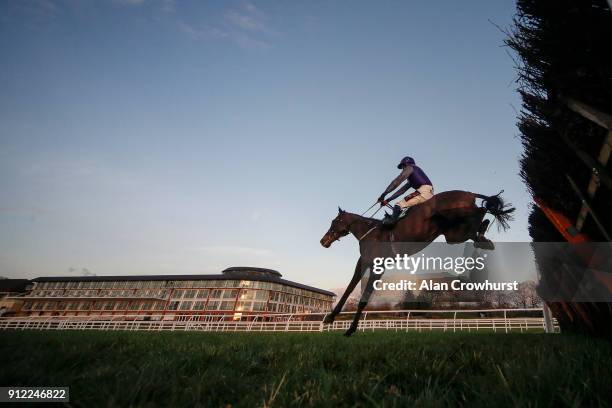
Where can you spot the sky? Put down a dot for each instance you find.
(171, 137)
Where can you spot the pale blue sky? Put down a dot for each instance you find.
(147, 137)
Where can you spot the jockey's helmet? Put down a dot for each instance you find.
(405, 161)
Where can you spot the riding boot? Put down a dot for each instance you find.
(390, 220)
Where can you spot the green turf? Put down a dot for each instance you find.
(311, 369)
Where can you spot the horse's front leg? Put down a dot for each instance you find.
(349, 289)
(365, 297)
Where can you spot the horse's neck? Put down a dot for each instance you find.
(359, 225)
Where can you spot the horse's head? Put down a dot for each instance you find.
(337, 230)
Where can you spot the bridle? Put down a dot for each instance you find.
(333, 231)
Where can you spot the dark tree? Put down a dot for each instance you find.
(564, 50)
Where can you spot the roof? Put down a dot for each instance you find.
(236, 274)
(250, 269)
(13, 285)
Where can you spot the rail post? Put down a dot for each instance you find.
(506, 320)
(548, 323)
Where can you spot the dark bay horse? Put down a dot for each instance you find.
(453, 214)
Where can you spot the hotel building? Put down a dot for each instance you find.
(237, 290)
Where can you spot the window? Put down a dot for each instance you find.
(216, 294)
(198, 305)
(109, 306)
(247, 294)
(230, 294)
(212, 305)
(186, 305)
(261, 295)
(189, 294)
(202, 293)
(173, 305)
(259, 306)
(178, 294)
(227, 305)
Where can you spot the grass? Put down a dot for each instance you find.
(183, 369)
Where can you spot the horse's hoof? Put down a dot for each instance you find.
(484, 243)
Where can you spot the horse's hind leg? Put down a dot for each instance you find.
(483, 228)
(480, 241)
(459, 224)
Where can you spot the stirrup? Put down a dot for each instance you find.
(390, 220)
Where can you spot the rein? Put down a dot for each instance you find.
(366, 234)
(362, 214)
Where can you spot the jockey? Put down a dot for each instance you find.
(417, 179)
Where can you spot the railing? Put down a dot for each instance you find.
(393, 320)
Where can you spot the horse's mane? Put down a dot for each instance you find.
(368, 219)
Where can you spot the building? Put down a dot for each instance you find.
(9, 289)
(238, 291)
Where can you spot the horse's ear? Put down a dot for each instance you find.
(340, 210)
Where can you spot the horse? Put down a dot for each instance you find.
(453, 214)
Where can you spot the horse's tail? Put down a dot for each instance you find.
(501, 210)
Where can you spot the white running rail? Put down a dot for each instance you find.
(495, 320)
